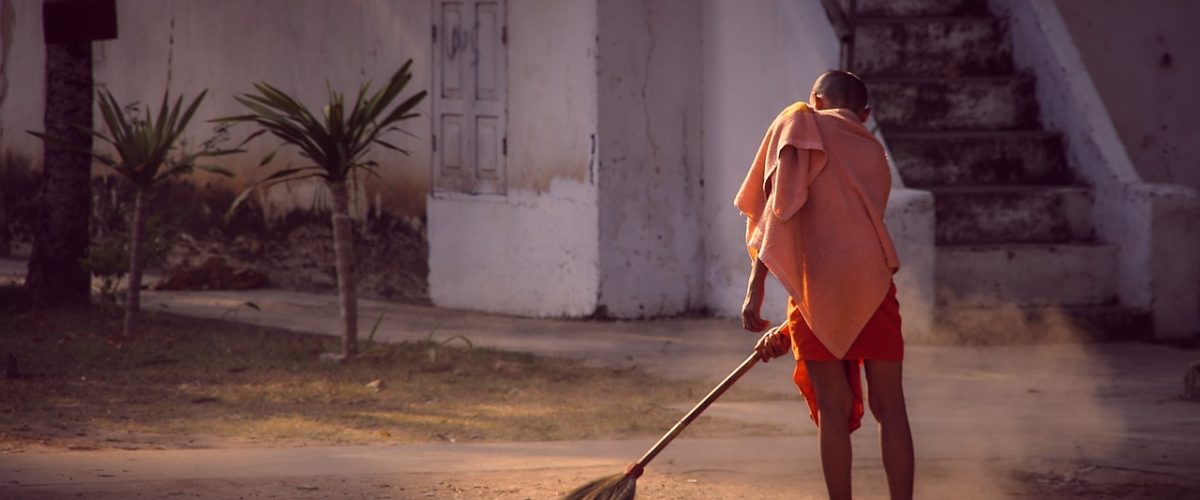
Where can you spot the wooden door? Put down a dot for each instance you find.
(469, 145)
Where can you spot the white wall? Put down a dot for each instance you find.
(527, 254)
(1142, 57)
(225, 45)
(759, 57)
(534, 251)
(631, 124)
(1155, 225)
(649, 157)
(22, 78)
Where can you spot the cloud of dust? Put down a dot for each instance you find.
(1010, 390)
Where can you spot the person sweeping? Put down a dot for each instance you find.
(814, 201)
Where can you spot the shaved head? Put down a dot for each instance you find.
(841, 89)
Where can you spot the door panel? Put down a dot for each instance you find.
(469, 103)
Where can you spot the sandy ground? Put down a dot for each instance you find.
(1023, 421)
(749, 468)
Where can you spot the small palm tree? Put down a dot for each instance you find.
(337, 144)
(144, 147)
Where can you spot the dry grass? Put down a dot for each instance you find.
(196, 383)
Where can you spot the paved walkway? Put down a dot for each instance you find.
(981, 416)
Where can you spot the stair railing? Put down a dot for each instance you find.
(843, 26)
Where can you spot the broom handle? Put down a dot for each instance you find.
(700, 407)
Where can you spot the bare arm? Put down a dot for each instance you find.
(752, 319)
(772, 344)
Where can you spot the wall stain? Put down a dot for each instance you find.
(171, 49)
(294, 247)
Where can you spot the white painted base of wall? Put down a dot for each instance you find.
(526, 254)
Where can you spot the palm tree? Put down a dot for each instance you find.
(144, 147)
(61, 235)
(337, 145)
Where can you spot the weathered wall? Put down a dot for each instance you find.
(22, 78)
(1142, 57)
(1154, 224)
(759, 58)
(225, 45)
(551, 99)
(649, 166)
(185, 46)
(533, 251)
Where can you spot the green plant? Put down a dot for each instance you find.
(107, 260)
(147, 150)
(434, 348)
(337, 144)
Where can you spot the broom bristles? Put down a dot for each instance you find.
(614, 487)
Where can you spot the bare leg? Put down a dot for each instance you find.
(885, 395)
(834, 400)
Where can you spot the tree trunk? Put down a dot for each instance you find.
(137, 261)
(343, 248)
(56, 274)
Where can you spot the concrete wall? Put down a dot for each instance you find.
(649, 164)
(551, 92)
(1141, 55)
(1155, 225)
(534, 251)
(22, 78)
(225, 45)
(630, 126)
(759, 57)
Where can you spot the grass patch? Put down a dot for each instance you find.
(188, 382)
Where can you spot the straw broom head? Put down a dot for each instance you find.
(614, 487)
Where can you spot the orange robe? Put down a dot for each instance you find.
(816, 221)
(880, 339)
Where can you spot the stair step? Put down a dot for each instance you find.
(978, 158)
(941, 46)
(1026, 275)
(1013, 324)
(1016, 214)
(965, 103)
(896, 8)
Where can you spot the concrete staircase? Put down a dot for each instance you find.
(1017, 258)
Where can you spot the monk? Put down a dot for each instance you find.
(814, 201)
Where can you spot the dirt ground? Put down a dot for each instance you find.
(1028, 421)
(1066, 482)
(76, 384)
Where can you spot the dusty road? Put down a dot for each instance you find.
(1029, 421)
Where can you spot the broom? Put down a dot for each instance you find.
(622, 486)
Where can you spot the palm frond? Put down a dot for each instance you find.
(338, 138)
(144, 144)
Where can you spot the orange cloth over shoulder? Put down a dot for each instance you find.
(816, 220)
